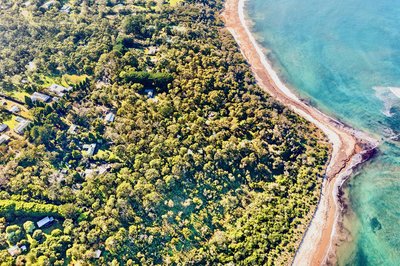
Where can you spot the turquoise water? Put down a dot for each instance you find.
(344, 56)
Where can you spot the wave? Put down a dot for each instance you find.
(390, 96)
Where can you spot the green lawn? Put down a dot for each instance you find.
(11, 123)
(174, 2)
(20, 95)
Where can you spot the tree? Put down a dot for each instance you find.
(134, 24)
(29, 226)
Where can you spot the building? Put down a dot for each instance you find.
(19, 119)
(3, 127)
(59, 90)
(103, 168)
(45, 221)
(110, 117)
(65, 9)
(72, 129)
(37, 96)
(89, 149)
(20, 128)
(97, 254)
(4, 139)
(152, 50)
(14, 251)
(149, 93)
(15, 109)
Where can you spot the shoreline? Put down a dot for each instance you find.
(350, 148)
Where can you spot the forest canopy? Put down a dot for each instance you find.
(136, 130)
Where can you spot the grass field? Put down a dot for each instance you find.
(174, 2)
(20, 95)
(11, 123)
(24, 111)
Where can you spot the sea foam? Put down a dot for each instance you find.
(390, 96)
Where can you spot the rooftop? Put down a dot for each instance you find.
(72, 129)
(15, 109)
(3, 127)
(110, 117)
(37, 96)
(59, 90)
(14, 251)
(20, 128)
(45, 221)
(4, 138)
(149, 93)
(90, 149)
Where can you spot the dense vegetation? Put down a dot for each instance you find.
(209, 171)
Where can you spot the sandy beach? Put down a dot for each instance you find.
(349, 147)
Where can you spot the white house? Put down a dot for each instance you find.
(3, 127)
(37, 96)
(90, 149)
(59, 90)
(4, 138)
(15, 109)
(14, 251)
(72, 129)
(45, 221)
(110, 117)
(20, 128)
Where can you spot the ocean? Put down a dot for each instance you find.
(344, 58)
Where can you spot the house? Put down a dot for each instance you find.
(4, 139)
(15, 109)
(23, 248)
(48, 4)
(97, 254)
(3, 127)
(14, 251)
(65, 9)
(72, 129)
(59, 90)
(20, 128)
(19, 119)
(45, 221)
(89, 172)
(64, 171)
(103, 168)
(110, 117)
(152, 50)
(149, 93)
(37, 96)
(90, 149)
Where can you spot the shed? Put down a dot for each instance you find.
(45, 221)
